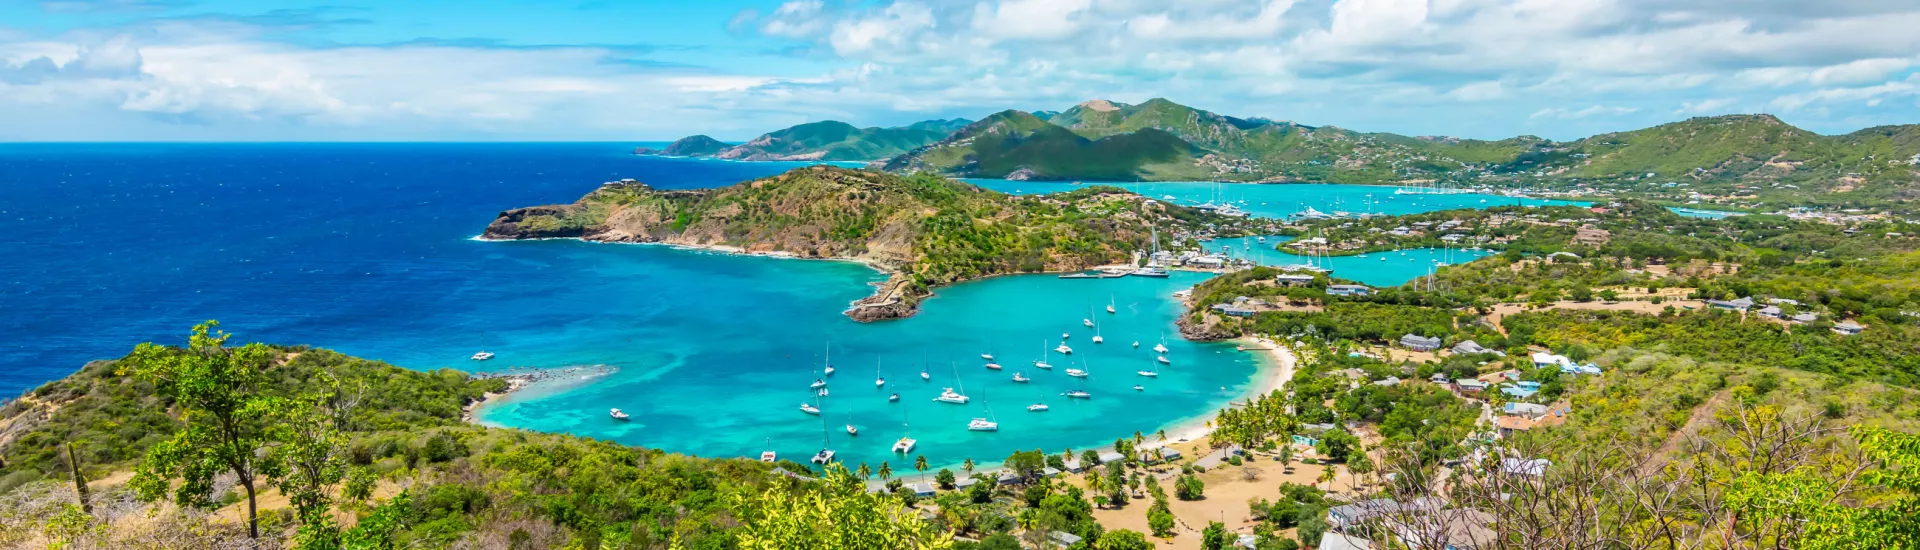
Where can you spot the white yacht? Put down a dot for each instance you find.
(1076, 373)
(1160, 347)
(983, 425)
(809, 408)
(987, 356)
(1021, 378)
(1163, 360)
(817, 384)
(1097, 339)
(877, 382)
(1087, 322)
(856, 431)
(947, 395)
(1110, 309)
(1078, 394)
(618, 414)
(1137, 387)
(893, 398)
(1062, 348)
(482, 356)
(1037, 407)
(924, 375)
(904, 445)
(993, 366)
(823, 457)
(1149, 373)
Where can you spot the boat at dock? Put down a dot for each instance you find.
(1154, 272)
(618, 414)
(1080, 276)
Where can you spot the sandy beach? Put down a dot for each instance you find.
(525, 380)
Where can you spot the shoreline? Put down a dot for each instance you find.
(1277, 367)
(521, 379)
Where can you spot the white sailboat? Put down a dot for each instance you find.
(825, 455)
(993, 366)
(1096, 335)
(1110, 309)
(1079, 372)
(1041, 363)
(987, 356)
(829, 369)
(984, 424)
(818, 383)
(1077, 394)
(1021, 378)
(1087, 322)
(906, 442)
(1037, 407)
(618, 414)
(1163, 360)
(878, 380)
(1148, 372)
(809, 409)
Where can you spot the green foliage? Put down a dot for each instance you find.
(1123, 539)
(835, 513)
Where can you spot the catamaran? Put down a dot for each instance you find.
(1063, 349)
(618, 414)
(483, 355)
(947, 395)
(1162, 346)
(904, 445)
(1096, 335)
(823, 457)
(768, 455)
(823, 392)
(1021, 378)
(826, 451)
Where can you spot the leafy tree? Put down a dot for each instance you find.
(1160, 519)
(836, 513)
(218, 392)
(307, 450)
(1217, 537)
(1189, 487)
(1336, 443)
(1831, 523)
(1123, 539)
(944, 478)
(1027, 464)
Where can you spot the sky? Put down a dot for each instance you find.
(645, 70)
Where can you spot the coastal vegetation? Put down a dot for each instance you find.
(925, 230)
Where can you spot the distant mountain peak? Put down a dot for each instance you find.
(1099, 105)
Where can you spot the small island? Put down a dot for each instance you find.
(923, 230)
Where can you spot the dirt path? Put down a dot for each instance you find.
(1701, 415)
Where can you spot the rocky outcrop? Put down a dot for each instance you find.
(1206, 327)
(515, 224)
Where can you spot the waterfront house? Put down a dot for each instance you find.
(1470, 347)
(1349, 290)
(1741, 304)
(1848, 328)
(1167, 454)
(1049, 472)
(1073, 465)
(1544, 359)
(1337, 541)
(965, 483)
(922, 489)
(1417, 342)
(1110, 456)
(1233, 310)
(1006, 477)
(1289, 279)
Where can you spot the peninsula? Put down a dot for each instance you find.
(923, 230)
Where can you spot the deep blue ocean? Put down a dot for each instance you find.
(368, 249)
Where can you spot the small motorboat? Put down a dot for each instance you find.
(924, 375)
(618, 414)
(1017, 377)
(987, 356)
(1163, 360)
(809, 408)
(1064, 336)
(1037, 407)
(852, 430)
(1137, 387)
(1136, 343)
(482, 356)
(993, 366)
(893, 398)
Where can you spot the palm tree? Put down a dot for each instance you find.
(885, 471)
(1138, 439)
(1067, 455)
(1093, 479)
(1163, 435)
(865, 472)
(968, 466)
(920, 463)
(1326, 475)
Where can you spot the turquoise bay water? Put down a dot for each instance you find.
(1378, 269)
(368, 249)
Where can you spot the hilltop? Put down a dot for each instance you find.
(822, 141)
(924, 230)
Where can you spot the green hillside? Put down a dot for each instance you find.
(824, 141)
